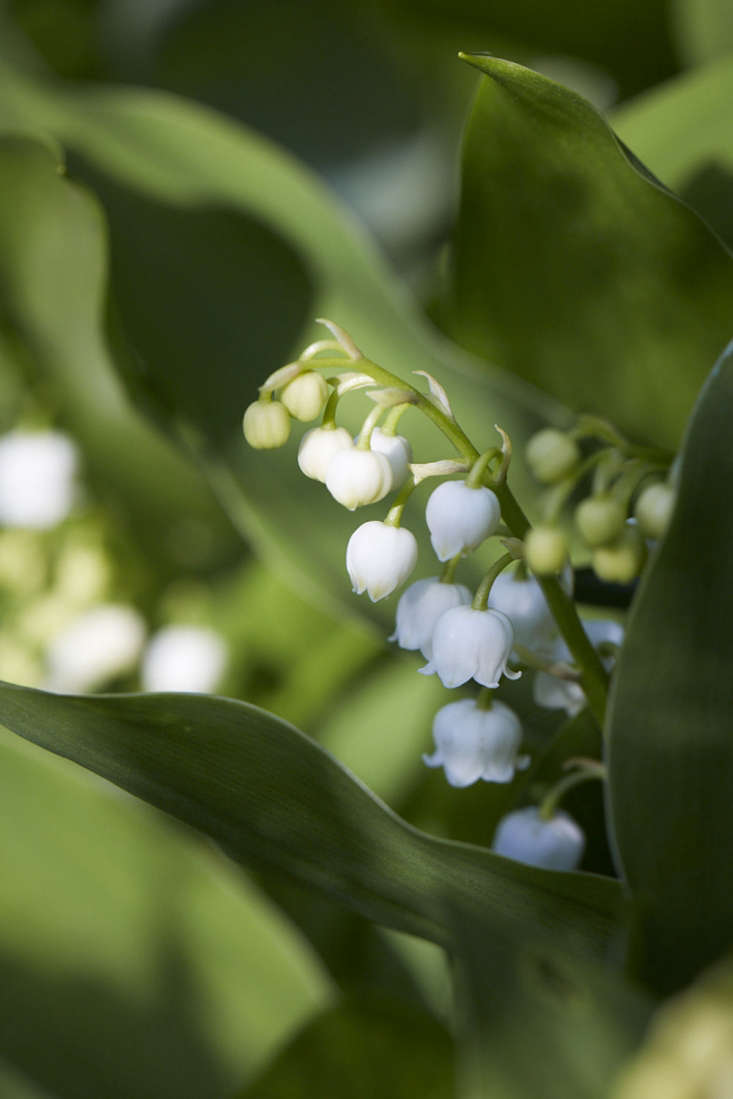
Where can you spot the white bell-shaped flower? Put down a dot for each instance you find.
(380, 557)
(419, 609)
(317, 448)
(397, 451)
(525, 836)
(459, 518)
(472, 743)
(183, 658)
(358, 477)
(564, 694)
(471, 644)
(37, 478)
(522, 601)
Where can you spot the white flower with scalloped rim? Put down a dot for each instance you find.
(380, 557)
(419, 609)
(471, 644)
(317, 448)
(358, 477)
(556, 843)
(473, 743)
(459, 518)
(397, 451)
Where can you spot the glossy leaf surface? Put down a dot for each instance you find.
(574, 269)
(670, 750)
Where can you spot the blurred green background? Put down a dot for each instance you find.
(144, 294)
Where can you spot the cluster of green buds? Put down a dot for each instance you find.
(631, 498)
(520, 616)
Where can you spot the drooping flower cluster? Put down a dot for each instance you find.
(473, 638)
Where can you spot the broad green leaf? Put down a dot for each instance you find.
(670, 752)
(163, 194)
(546, 1027)
(362, 1047)
(576, 270)
(275, 800)
(682, 132)
(134, 959)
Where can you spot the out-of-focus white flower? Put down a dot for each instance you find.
(358, 477)
(472, 743)
(471, 644)
(564, 694)
(305, 396)
(183, 658)
(380, 557)
(317, 448)
(459, 518)
(266, 425)
(556, 843)
(97, 645)
(397, 451)
(37, 471)
(419, 609)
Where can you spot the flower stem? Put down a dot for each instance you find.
(591, 770)
(481, 598)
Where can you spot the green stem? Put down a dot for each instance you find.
(449, 569)
(329, 412)
(390, 424)
(367, 427)
(394, 515)
(557, 793)
(485, 699)
(481, 598)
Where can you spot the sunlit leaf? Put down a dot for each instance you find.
(574, 269)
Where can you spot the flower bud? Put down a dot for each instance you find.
(525, 836)
(622, 560)
(473, 744)
(396, 450)
(305, 396)
(358, 477)
(317, 448)
(600, 519)
(545, 550)
(266, 425)
(379, 558)
(419, 609)
(459, 518)
(551, 455)
(37, 478)
(654, 509)
(471, 644)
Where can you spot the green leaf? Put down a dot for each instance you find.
(134, 959)
(362, 1047)
(682, 133)
(520, 1023)
(208, 204)
(576, 270)
(276, 800)
(670, 752)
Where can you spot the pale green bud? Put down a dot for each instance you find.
(622, 560)
(545, 550)
(305, 396)
(600, 519)
(654, 509)
(266, 425)
(551, 455)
